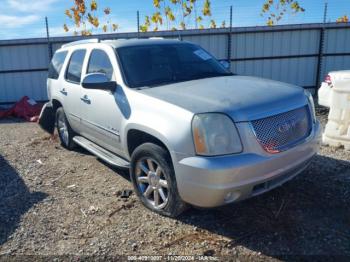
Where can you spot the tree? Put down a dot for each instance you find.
(275, 10)
(343, 19)
(178, 14)
(84, 18)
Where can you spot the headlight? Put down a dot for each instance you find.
(311, 104)
(215, 134)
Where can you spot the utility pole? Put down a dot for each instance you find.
(195, 15)
(229, 42)
(49, 46)
(325, 13)
(231, 13)
(320, 49)
(138, 24)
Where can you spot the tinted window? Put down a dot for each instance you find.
(56, 64)
(152, 65)
(100, 63)
(75, 66)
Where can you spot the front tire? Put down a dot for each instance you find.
(154, 181)
(65, 132)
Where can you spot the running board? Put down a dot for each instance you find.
(101, 153)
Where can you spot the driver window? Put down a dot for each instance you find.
(99, 63)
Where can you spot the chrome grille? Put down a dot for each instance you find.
(280, 132)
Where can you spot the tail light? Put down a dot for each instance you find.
(328, 80)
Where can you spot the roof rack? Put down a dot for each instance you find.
(86, 41)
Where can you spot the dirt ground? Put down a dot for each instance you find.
(55, 202)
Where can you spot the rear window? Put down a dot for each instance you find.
(75, 66)
(56, 64)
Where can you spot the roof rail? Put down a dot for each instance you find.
(85, 41)
(113, 40)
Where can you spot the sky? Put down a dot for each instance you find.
(26, 18)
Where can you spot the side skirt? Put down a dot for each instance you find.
(101, 153)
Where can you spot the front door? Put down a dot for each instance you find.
(101, 116)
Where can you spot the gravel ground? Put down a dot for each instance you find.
(57, 202)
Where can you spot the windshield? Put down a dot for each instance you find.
(153, 65)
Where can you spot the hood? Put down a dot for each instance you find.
(243, 98)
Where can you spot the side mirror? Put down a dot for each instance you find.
(225, 64)
(98, 81)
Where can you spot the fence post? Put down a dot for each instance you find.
(138, 24)
(229, 39)
(49, 45)
(195, 16)
(320, 50)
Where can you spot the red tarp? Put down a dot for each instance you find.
(24, 108)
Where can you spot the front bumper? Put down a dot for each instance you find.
(215, 181)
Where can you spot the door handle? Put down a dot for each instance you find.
(85, 99)
(63, 91)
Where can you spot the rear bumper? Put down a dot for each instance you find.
(215, 181)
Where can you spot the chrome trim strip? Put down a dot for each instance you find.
(101, 127)
(74, 115)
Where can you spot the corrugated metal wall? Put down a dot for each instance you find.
(17, 79)
(283, 49)
(337, 49)
(292, 53)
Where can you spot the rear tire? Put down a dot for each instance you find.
(65, 132)
(154, 181)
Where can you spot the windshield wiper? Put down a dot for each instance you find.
(206, 75)
(164, 83)
(155, 83)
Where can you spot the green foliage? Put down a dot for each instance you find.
(84, 18)
(169, 14)
(206, 8)
(157, 18)
(178, 14)
(156, 3)
(343, 19)
(275, 10)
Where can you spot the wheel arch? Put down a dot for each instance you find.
(56, 104)
(137, 136)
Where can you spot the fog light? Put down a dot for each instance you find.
(231, 196)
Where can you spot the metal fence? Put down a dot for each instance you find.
(296, 54)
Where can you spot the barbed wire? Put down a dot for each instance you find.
(244, 14)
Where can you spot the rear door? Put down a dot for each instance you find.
(71, 90)
(101, 116)
(55, 67)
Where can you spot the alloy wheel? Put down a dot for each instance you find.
(63, 129)
(152, 182)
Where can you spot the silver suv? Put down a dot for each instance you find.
(189, 130)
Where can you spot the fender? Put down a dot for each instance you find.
(147, 130)
(47, 118)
